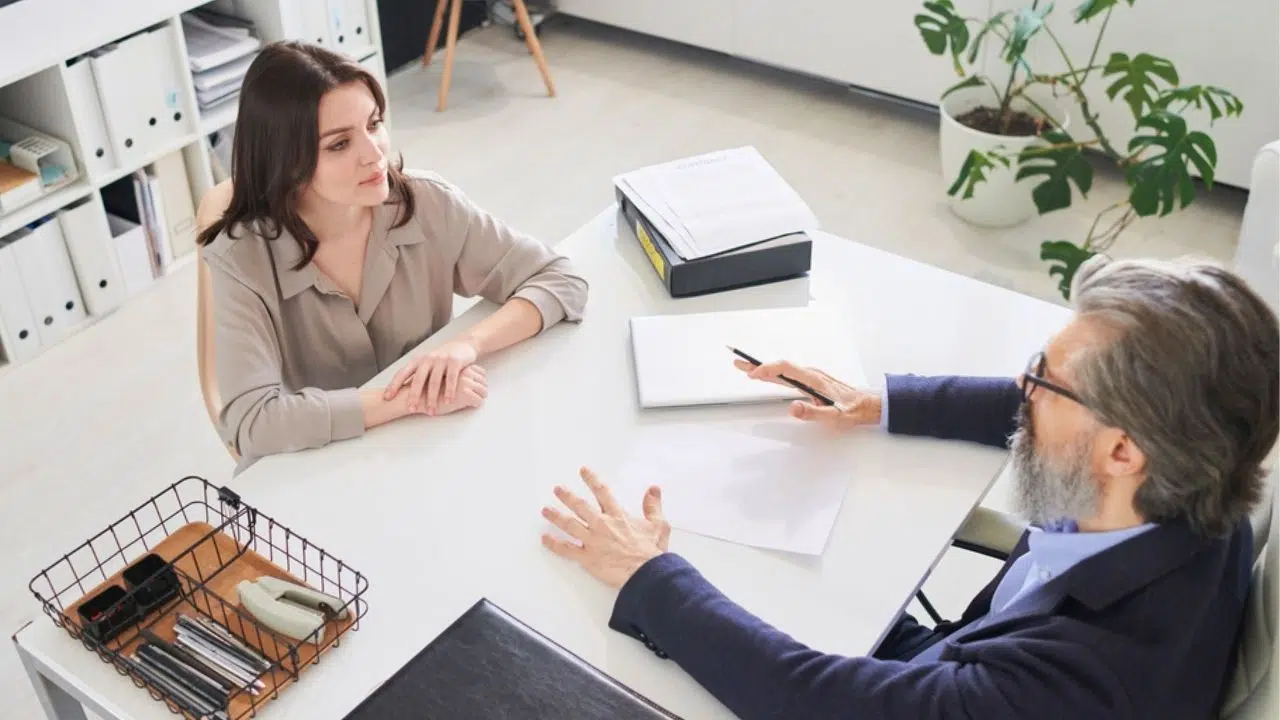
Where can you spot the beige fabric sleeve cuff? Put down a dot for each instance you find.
(346, 414)
(547, 303)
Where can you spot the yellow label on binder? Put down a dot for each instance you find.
(654, 256)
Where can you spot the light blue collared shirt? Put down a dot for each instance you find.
(1051, 552)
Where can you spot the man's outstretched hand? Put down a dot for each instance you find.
(605, 540)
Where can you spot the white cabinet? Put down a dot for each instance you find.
(1228, 43)
(874, 45)
(704, 23)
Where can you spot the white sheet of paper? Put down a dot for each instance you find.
(774, 484)
(684, 360)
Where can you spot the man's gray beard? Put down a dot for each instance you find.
(1051, 489)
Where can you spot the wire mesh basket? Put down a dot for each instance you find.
(196, 543)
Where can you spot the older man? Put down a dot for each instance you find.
(1137, 439)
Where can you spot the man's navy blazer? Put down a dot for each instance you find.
(1144, 629)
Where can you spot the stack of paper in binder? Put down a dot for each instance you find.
(717, 221)
(220, 49)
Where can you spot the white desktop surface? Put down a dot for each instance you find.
(439, 512)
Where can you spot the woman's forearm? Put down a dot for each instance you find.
(378, 411)
(517, 320)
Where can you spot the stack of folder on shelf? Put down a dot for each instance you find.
(157, 198)
(717, 221)
(220, 49)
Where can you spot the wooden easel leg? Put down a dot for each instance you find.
(433, 38)
(451, 43)
(531, 39)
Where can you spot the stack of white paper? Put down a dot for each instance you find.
(718, 202)
(219, 56)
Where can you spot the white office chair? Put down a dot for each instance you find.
(1254, 691)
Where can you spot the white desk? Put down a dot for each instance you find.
(440, 512)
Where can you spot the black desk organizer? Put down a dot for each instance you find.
(144, 591)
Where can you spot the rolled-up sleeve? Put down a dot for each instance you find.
(499, 263)
(259, 416)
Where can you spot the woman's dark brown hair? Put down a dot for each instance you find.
(277, 140)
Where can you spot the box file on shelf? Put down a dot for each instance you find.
(141, 93)
(96, 150)
(49, 280)
(93, 255)
(18, 336)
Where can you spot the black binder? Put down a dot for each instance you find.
(490, 666)
(772, 260)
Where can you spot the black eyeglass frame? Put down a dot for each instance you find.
(1034, 377)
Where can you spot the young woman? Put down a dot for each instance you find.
(329, 263)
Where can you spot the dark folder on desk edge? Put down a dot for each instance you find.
(768, 261)
(488, 665)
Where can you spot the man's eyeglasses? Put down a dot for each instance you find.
(1034, 377)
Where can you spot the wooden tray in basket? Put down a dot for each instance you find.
(210, 552)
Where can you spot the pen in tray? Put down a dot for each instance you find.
(215, 654)
(200, 670)
(179, 696)
(223, 641)
(210, 696)
(223, 638)
(244, 676)
(214, 673)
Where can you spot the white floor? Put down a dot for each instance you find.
(103, 420)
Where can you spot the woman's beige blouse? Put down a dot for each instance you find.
(291, 350)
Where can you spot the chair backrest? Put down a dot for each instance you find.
(1255, 688)
(1254, 693)
(204, 342)
(1258, 262)
(211, 208)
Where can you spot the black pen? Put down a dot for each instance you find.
(790, 381)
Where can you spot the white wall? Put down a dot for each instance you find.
(874, 44)
(1234, 44)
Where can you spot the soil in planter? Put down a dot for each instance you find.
(987, 120)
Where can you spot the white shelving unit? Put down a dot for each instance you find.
(36, 74)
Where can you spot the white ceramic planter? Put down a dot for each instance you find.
(1000, 201)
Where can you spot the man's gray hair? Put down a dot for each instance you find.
(1191, 371)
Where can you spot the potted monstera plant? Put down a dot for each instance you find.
(1007, 151)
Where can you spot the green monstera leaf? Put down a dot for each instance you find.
(974, 170)
(992, 23)
(1162, 182)
(1064, 258)
(1026, 24)
(941, 28)
(1138, 79)
(1060, 166)
(1220, 101)
(1092, 8)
